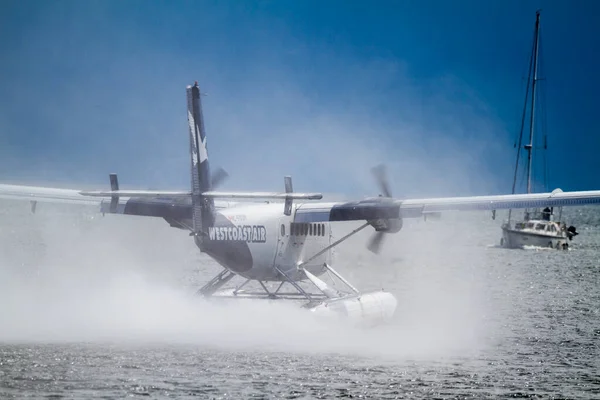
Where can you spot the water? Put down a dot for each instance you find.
(102, 308)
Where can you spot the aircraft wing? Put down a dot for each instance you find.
(177, 204)
(45, 194)
(153, 203)
(557, 198)
(388, 208)
(212, 194)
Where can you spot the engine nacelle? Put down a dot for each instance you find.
(390, 225)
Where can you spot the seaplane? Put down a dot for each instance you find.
(279, 239)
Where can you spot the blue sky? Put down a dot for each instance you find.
(321, 90)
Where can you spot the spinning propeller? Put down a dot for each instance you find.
(379, 172)
(380, 175)
(218, 177)
(374, 244)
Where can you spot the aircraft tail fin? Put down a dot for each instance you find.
(202, 207)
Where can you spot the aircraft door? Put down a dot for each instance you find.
(284, 257)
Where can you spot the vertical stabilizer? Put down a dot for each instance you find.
(203, 208)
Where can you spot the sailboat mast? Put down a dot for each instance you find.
(529, 147)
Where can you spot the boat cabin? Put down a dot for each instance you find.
(540, 226)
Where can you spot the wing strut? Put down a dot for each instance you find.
(341, 278)
(360, 228)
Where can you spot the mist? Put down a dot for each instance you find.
(76, 277)
(72, 276)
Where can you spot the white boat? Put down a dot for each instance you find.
(537, 232)
(537, 228)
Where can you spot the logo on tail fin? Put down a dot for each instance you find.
(192, 125)
(194, 132)
(203, 152)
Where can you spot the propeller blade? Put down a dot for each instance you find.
(380, 175)
(218, 177)
(375, 242)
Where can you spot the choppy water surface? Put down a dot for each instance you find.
(102, 307)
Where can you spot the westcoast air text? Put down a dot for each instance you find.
(243, 233)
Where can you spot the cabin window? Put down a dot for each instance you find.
(310, 229)
(282, 230)
(318, 229)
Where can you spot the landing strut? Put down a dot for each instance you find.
(215, 283)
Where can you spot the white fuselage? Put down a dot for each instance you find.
(254, 240)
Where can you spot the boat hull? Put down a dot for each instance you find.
(518, 239)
